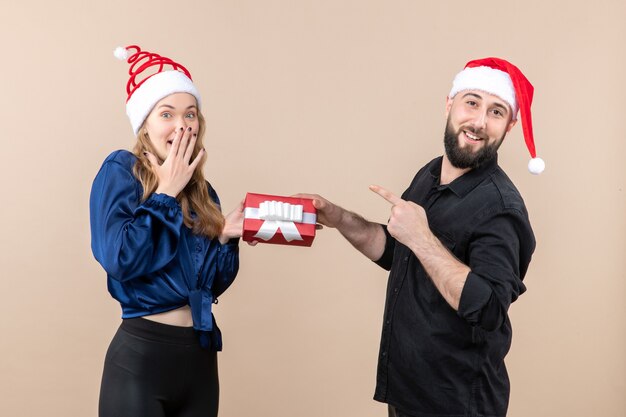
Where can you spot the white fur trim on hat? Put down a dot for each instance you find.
(155, 88)
(490, 80)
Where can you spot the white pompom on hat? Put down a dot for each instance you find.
(150, 82)
(503, 79)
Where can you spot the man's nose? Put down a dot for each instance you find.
(480, 121)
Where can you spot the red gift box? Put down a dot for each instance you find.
(280, 220)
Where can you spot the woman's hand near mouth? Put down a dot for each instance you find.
(176, 171)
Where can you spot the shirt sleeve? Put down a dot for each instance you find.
(498, 254)
(127, 238)
(227, 259)
(386, 259)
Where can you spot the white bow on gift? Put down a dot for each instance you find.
(279, 215)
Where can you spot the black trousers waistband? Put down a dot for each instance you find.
(159, 332)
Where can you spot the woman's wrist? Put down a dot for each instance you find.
(164, 190)
(230, 232)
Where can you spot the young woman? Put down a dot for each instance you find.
(168, 252)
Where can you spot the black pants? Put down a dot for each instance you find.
(156, 370)
(394, 412)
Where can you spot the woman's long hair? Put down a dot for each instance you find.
(208, 219)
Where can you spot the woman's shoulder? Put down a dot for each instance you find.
(123, 157)
(116, 174)
(119, 164)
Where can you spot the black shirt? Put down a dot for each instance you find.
(433, 360)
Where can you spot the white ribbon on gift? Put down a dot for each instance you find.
(279, 215)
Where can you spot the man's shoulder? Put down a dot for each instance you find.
(506, 191)
(424, 178)
(431, 169)
(433, 166)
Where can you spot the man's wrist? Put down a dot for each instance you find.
(343, 220)
(424, 243)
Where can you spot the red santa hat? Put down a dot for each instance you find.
(503, 79)
(152, 77)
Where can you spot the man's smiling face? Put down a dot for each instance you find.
(477, 123)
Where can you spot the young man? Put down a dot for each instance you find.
(458, 243)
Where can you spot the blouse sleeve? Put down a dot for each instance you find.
(227, 259)
(227, 266)
(130, 239)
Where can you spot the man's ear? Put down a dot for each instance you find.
(448, 105)
(510, 126)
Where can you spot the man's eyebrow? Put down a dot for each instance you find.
(473, 95)
(499, 105)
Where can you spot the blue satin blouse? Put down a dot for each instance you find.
(154, 263)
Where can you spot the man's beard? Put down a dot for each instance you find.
(464, 157)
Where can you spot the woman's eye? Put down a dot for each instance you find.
(166, 115)
(190, 115)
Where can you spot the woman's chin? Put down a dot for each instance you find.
(163, 153)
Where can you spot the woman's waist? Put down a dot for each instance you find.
(193, 308)
(159, 332)
(180, 317)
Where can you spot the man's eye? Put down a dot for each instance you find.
(471, 103)
(497, 113)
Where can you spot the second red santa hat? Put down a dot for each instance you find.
(503, 79)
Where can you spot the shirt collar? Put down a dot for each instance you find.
(466, 182)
